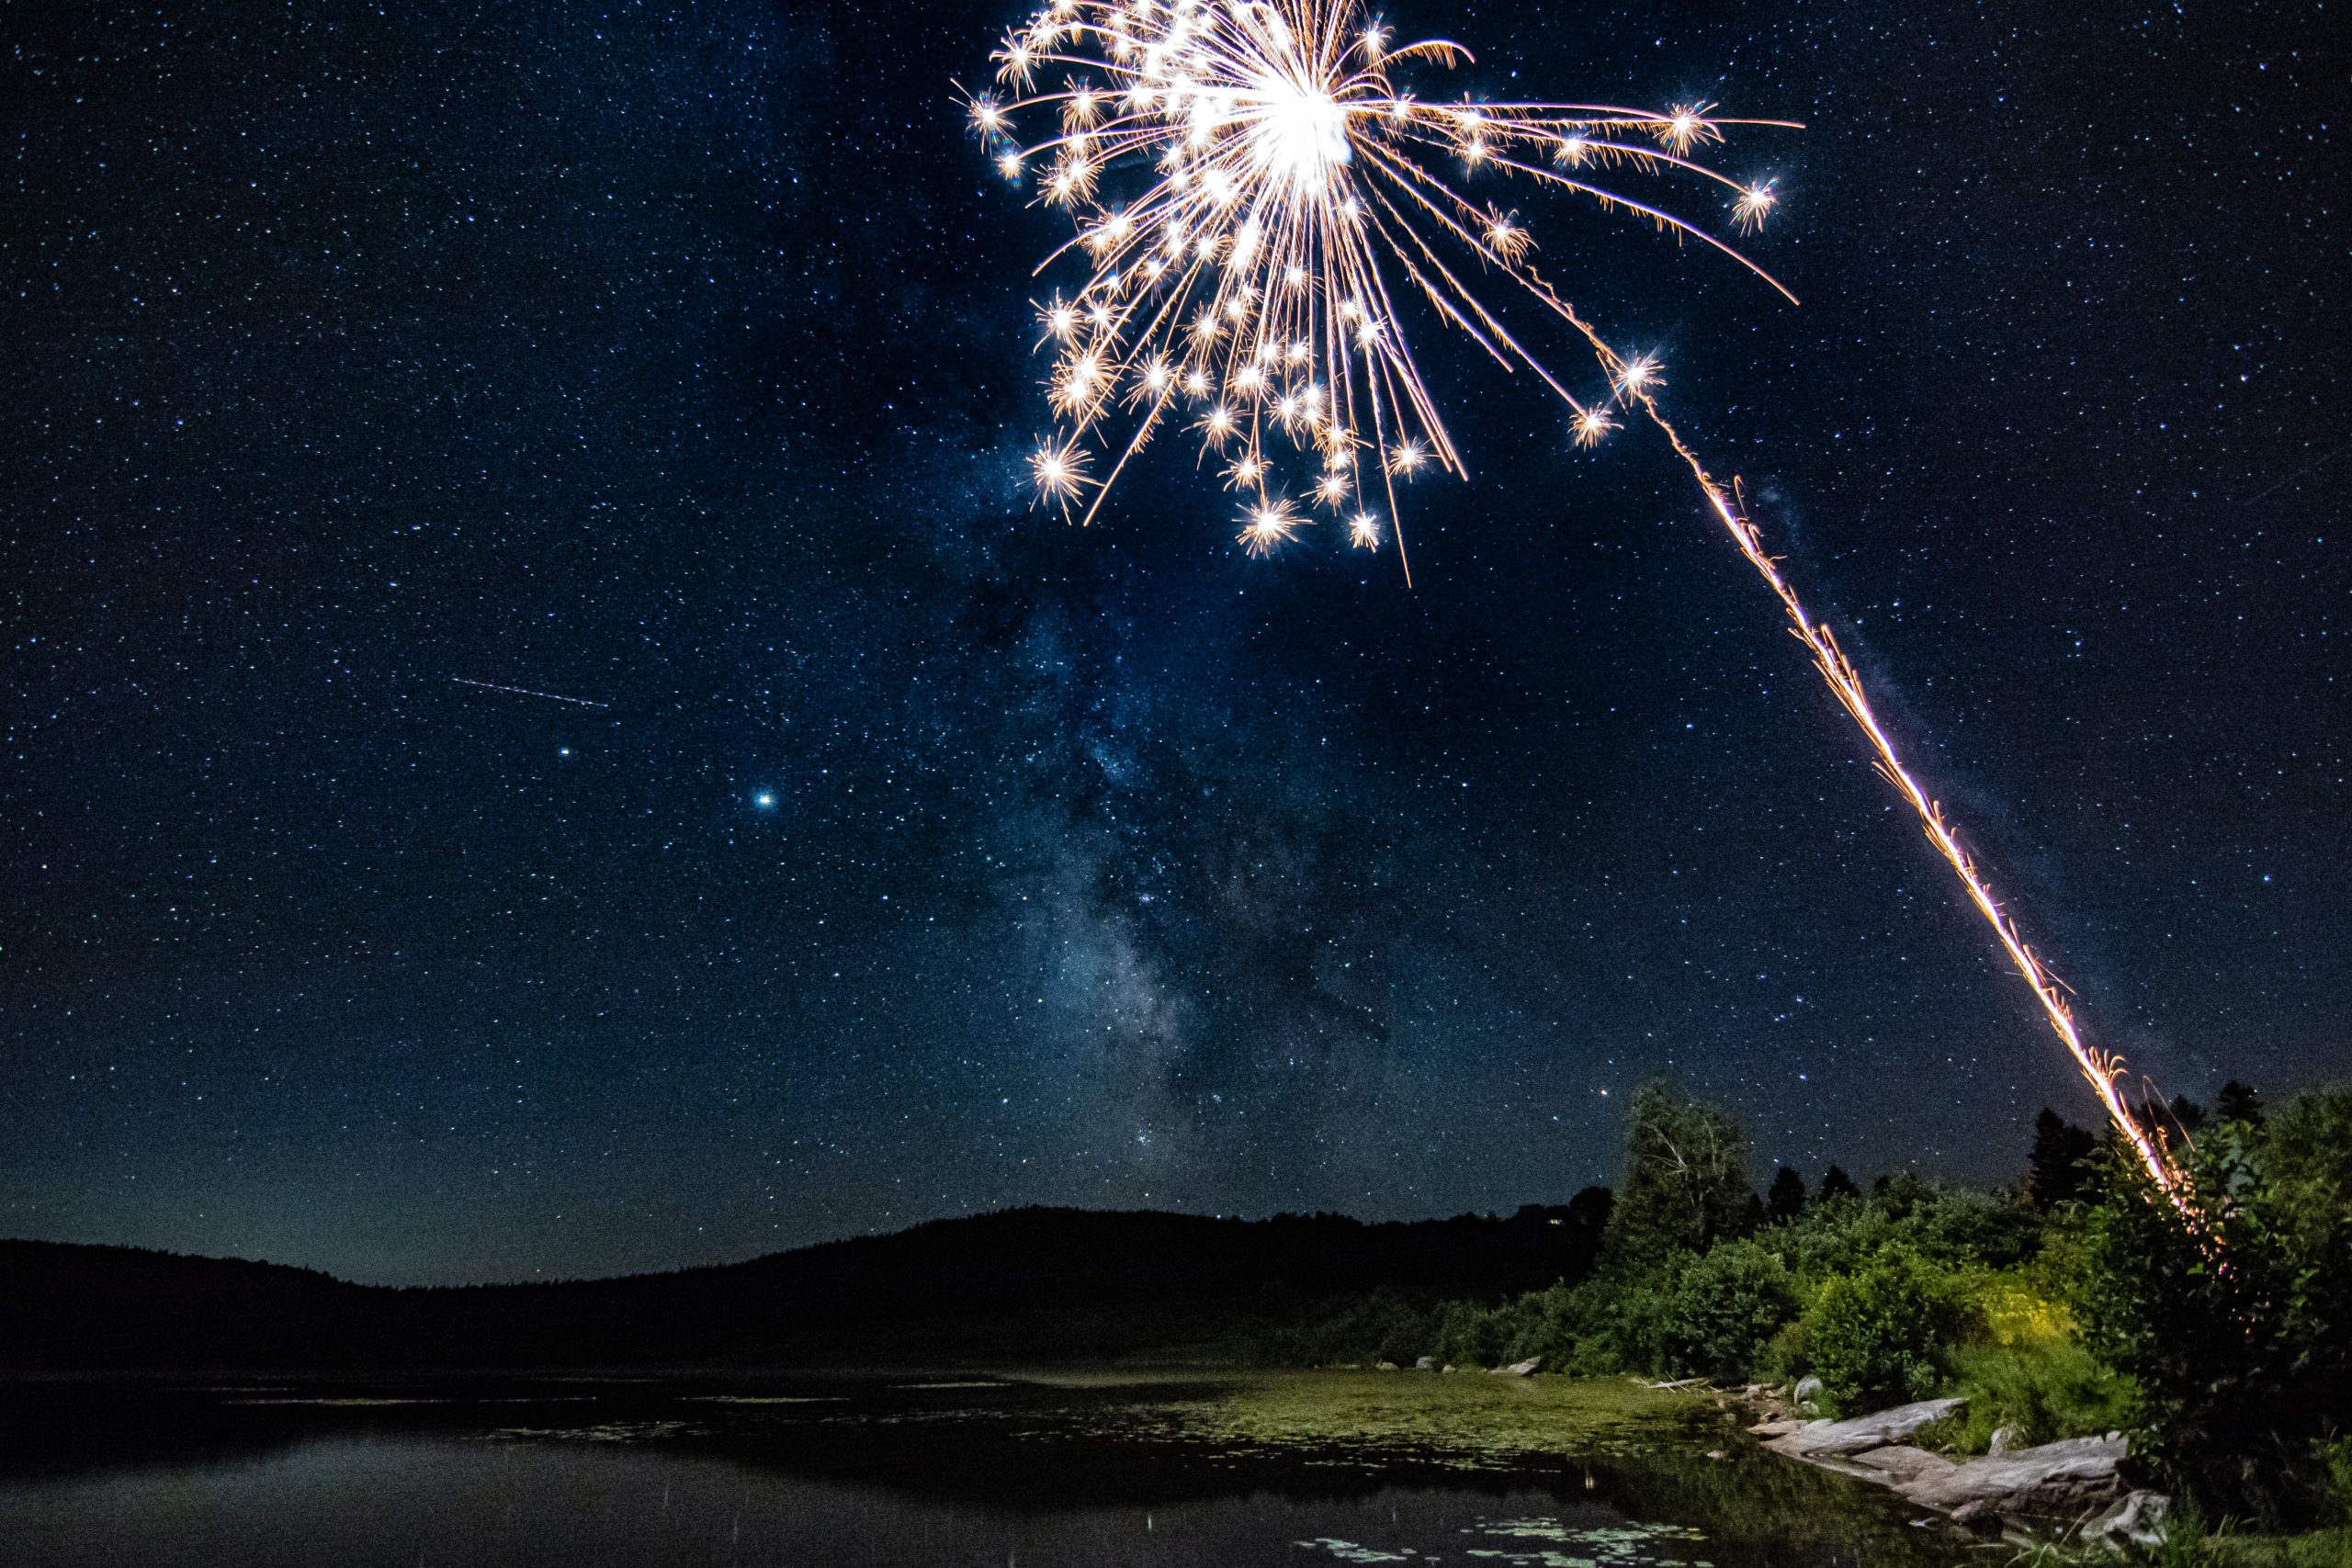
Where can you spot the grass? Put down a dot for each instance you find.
(2045, 1389)
(2319, 1549)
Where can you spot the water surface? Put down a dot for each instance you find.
(1297, 1468)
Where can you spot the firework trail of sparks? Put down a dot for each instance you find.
(1245, 287)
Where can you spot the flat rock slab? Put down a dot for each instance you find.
(1818, 1438)
(1904, 1463)
(2061, 1480)
(2068, 1480)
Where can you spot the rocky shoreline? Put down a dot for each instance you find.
(2073, 1487)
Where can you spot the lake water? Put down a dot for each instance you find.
(1296, 1468)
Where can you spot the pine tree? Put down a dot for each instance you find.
(1784, 1199)
(2238, 1102)
(2053, 1170)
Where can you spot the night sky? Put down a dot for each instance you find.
(925, 854)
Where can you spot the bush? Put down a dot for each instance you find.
(1471, 1336)
(2334, 1462)
(1946, 1226)
(1722, 1310)
(1880, 1335)
(1545, 1324)
(2238, 1324)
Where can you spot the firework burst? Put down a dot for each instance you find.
(1281, 194)
(1285, 192)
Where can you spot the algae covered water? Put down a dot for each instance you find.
(1245, 1468)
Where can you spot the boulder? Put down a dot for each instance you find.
(1877, 1431)
(1777, 1429)
(2004, 1439)
(1384, 1366)
(1426, 1364)
(1806, 1393)
(2138, 1517)
(1517, 1368)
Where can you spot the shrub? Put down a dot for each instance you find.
(2334, 1462)
(1945, 1226)
(1469, 1334)
(2238, 1326)
(1722, 1310)
(1545, 1324)
(1880, 1335)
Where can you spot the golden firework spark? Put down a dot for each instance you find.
(1286, 195)
(1266, 524)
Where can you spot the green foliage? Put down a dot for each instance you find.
(2044, 1389)
(1680, 1293)
(1881, 1335)
(1721, 1311)
(1472, 1336)
(1380, 1326)
(1686, 1181)
(1947, 1226)
(2190, 1542)
(2237, 1326)
(1546, 1324)
(2333, 1459)
(1732, 1311)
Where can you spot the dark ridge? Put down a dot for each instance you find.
(1038, 1284)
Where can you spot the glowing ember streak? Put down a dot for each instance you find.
(1288, 198)
(2100, 1068)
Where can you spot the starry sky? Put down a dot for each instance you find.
(882, 848)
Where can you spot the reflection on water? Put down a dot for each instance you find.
(1294, 1469)
(1565, 1544)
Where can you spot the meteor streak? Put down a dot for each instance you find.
(1285, 194)
(526, 692)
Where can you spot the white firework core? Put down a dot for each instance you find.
(1301, 134)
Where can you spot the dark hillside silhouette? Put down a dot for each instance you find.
(1032, 1284)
